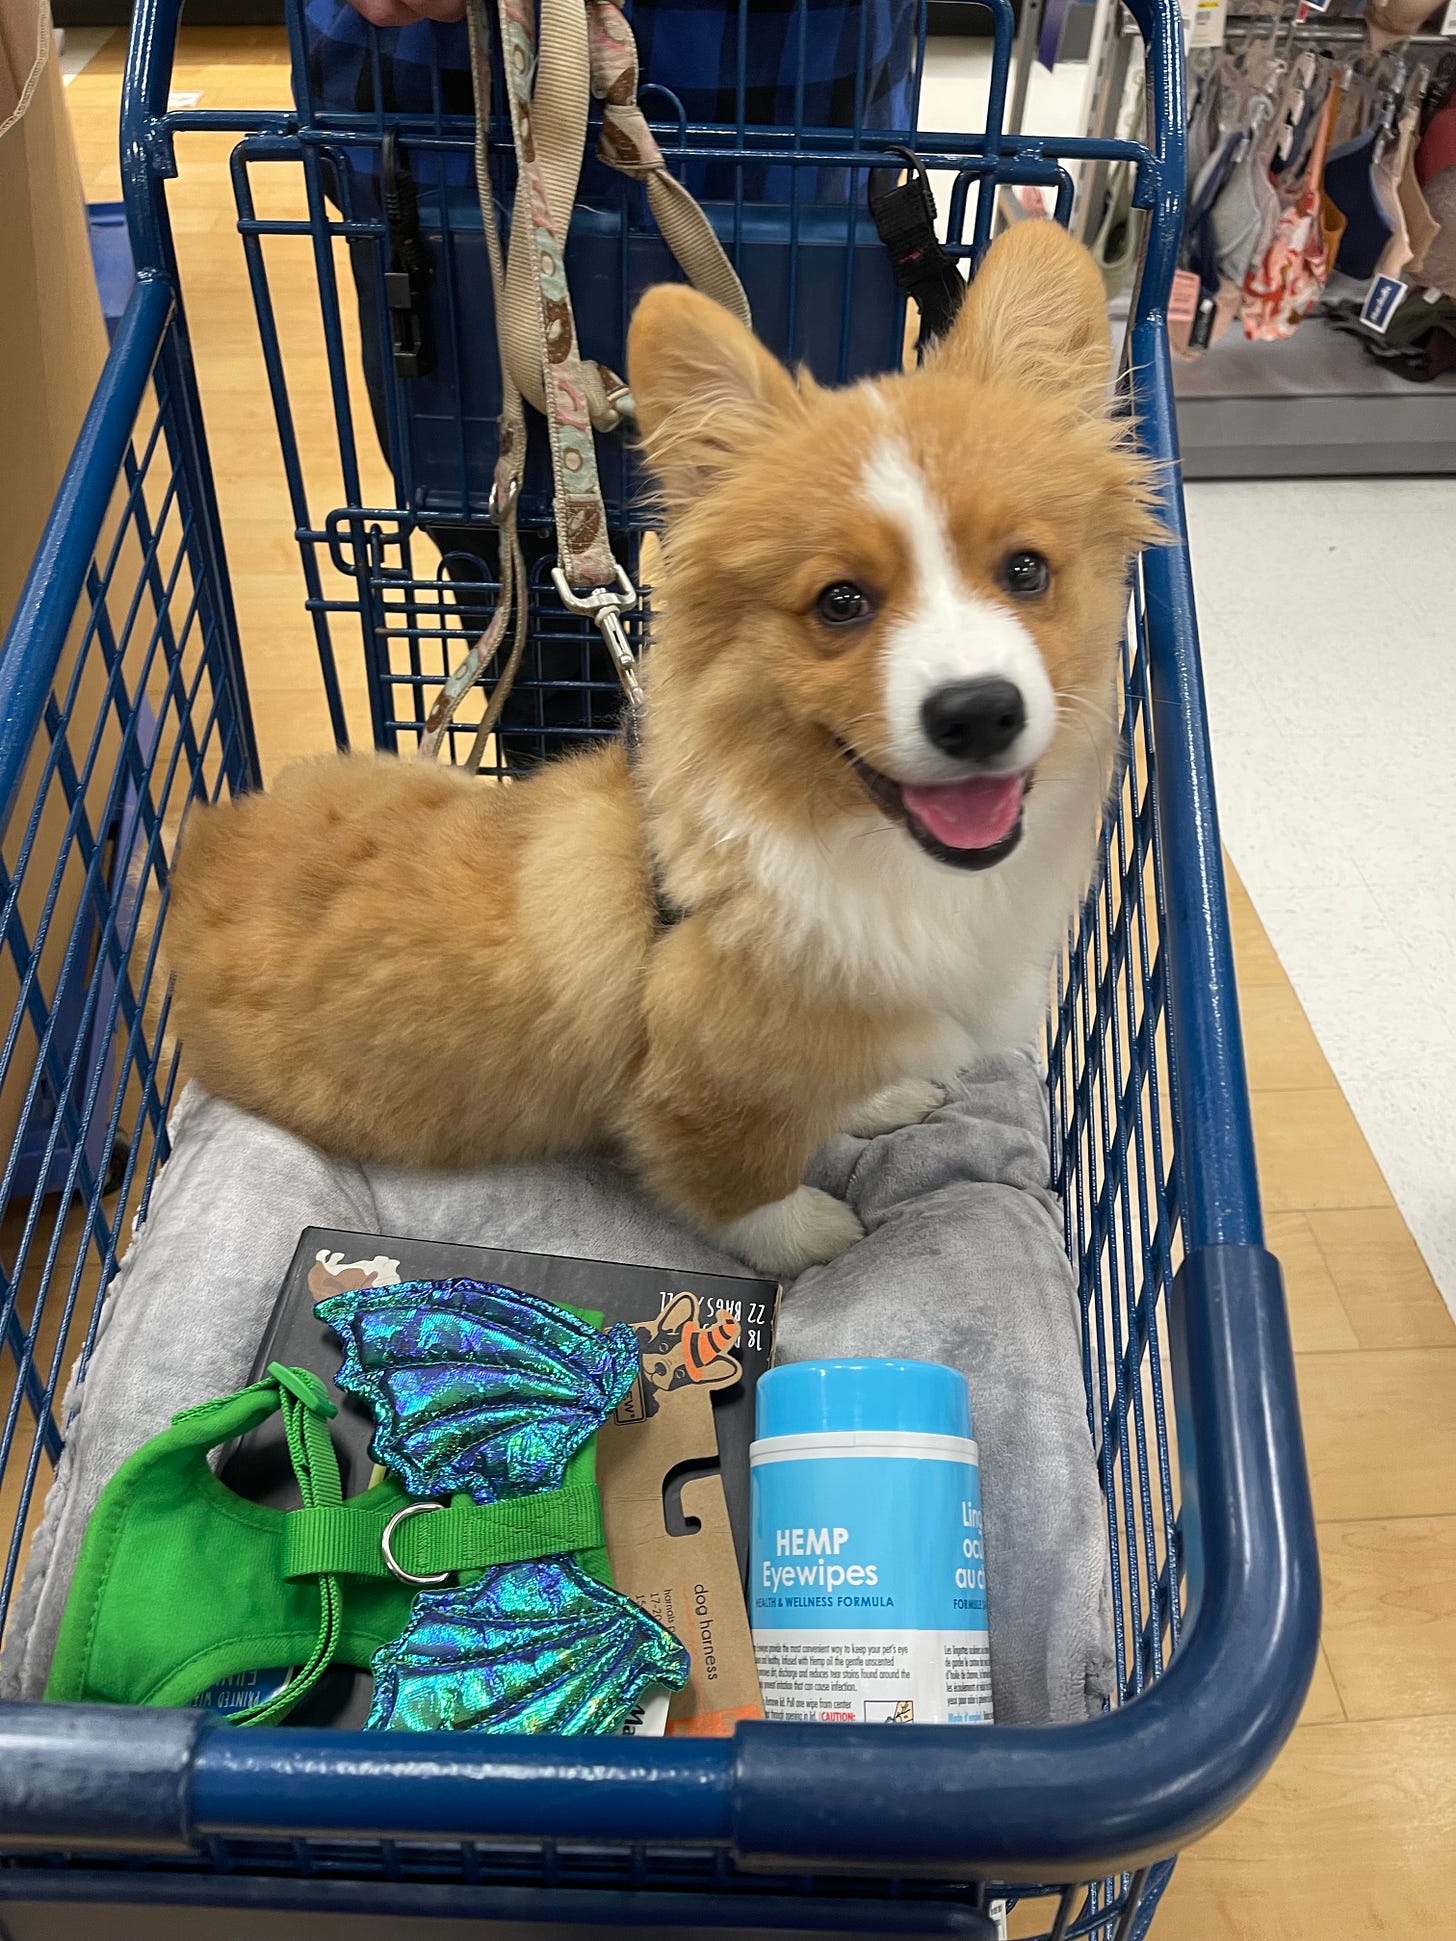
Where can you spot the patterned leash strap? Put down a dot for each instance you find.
(513, 599)
(627, 144)
(585, 47)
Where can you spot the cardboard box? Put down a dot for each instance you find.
(52, 336)
(52, 348)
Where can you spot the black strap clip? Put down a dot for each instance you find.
(904, 215)
(409, 272)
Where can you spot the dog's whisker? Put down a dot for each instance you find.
(1091, 739)
(1069, 699)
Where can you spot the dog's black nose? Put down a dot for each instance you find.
(974, 720)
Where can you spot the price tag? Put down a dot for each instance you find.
(648, 1717)
(1448, 19)
(1382, 300)
(1205, 20)
(1183, 297)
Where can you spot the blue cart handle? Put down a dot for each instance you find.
(1011, 1803)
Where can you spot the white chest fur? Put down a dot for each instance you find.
(867, 908)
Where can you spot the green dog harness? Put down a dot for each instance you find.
(182, 1584)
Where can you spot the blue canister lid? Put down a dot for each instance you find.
(827, 1397)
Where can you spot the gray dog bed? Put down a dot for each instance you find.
(962, 1262)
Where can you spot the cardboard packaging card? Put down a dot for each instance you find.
(688, 1581)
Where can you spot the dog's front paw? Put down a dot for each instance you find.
(788, 1235)
(904, 1103)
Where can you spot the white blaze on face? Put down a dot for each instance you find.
(950, 635)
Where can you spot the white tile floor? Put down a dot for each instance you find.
(1327, 612)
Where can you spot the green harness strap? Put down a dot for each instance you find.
(181, 1583)
(306, 1407)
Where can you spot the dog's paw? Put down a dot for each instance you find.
(788, 1235)
(904, 1103)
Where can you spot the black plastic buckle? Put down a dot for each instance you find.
(409, 272)
(904, 215)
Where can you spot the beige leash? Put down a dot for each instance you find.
(585, 47)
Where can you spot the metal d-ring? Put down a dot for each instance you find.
(397, 1568)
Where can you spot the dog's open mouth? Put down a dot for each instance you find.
(973, 824)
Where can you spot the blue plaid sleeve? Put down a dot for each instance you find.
(765, 63)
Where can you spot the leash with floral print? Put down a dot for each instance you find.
(586, 47)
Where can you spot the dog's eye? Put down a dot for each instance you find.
(844, 604)
(1026, 575)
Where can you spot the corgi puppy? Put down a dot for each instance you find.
(880, 724)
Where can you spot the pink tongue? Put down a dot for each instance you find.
(967, 815)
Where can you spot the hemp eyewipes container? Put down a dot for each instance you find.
(867, 1584)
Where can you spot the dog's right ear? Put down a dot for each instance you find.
(704, 387)
(677, 1313)
(1035, 316)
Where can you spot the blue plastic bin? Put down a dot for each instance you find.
(111, 259)
(123, 698)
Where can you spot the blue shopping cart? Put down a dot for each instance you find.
(123, 698)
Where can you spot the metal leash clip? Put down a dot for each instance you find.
(606, 605)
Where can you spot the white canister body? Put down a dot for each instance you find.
(867, 1589)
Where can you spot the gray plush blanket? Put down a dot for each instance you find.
(962, 1262)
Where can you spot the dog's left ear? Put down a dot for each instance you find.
(1036, 316)
(705, 388)
(677, 1314)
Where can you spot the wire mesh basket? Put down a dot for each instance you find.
(124, 697)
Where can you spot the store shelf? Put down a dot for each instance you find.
(1314, 406)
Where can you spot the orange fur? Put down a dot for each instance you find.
(398, 963)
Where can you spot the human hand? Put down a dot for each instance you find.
(404, 13)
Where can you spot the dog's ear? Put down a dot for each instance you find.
(704, 387)
(1036, 316)
(677, 1314)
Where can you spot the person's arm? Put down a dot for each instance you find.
(404, 13)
